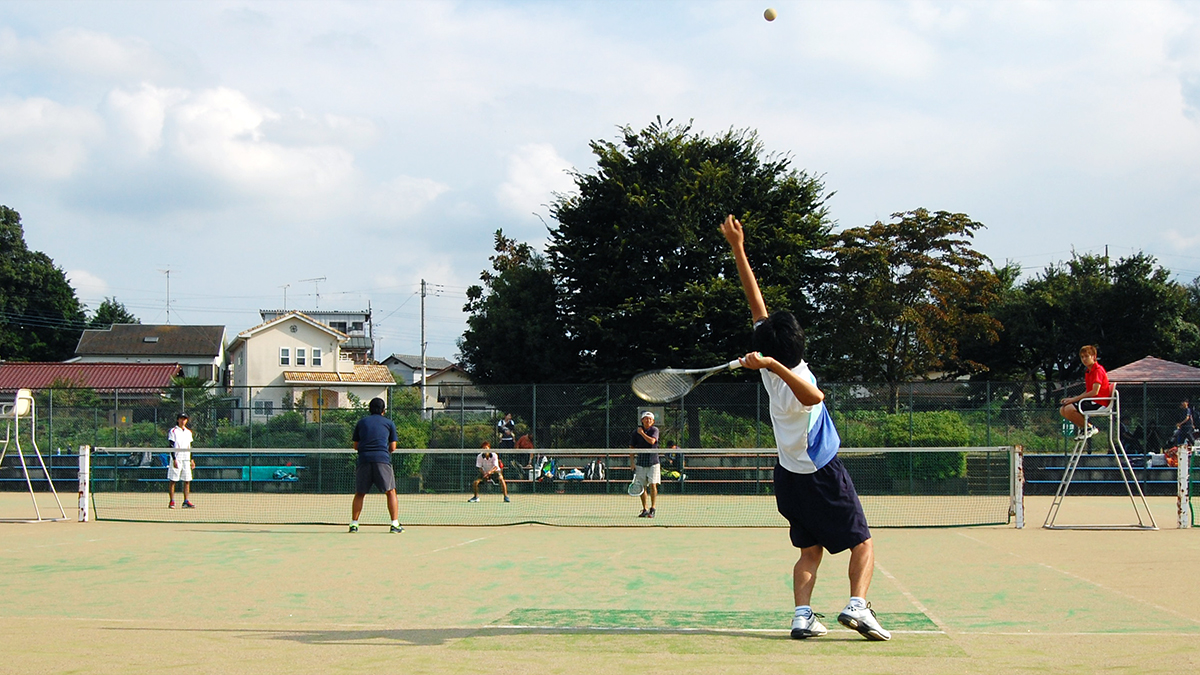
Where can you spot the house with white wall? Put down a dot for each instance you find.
(296, 361)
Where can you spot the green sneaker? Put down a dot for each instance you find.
(353, 529)
(396, 529)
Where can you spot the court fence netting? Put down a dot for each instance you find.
(899, 487)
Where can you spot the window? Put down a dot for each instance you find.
(338, 325)
(357, 326)
(264, 407)
(285, 356)
(300, 360)
(316, 356)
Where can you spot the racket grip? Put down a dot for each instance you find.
(734, 364)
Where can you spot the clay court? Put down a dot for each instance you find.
(114, 597)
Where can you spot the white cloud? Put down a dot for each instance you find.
(141, 113)
(535, 172)
(90, 288)
(41, 139)
(80, 52)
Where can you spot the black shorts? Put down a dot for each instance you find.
(1089, 406)
(374, 473)
(822, 507)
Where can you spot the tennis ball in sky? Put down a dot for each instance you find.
(770, 14)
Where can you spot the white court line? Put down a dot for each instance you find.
(915, 602)
(447, 548)
(1097, 584)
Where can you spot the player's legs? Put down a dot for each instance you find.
(171, 490)
(503, 485)
(804, 574)
(1071, 413)
(475, 486)
(357, 506)
(393, 504)
(862, 567)
(187, 490)
(653, 490)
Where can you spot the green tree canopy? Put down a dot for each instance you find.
(644, 276)
(902, 297)
(1129, 309)
(513, 333)
(40, 317)
(109, 312)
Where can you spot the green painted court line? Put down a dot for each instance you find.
(675, 619)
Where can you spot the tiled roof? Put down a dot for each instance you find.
(432, 363)
(291, 315)
(135, 339)
(363, 374)
(98, 376)
(1151, 369)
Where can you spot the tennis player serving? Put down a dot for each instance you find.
(812, 488)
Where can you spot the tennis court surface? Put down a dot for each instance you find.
(119, 597)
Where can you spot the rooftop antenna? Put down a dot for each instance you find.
(285, 287)
(168, 273)
(316, 289)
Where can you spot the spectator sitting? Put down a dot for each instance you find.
(1186, 428)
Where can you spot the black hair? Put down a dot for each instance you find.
(780, 337)
(377, 406)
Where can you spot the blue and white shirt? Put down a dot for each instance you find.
(805, 435)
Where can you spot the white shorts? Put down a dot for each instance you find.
(648, 475)
(183, 473)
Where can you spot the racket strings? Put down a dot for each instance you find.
(662, 386)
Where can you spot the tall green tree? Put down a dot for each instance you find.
(1130, 308)
(644, 276)
(109, 312)
(513, 333)
(901, 298)
(40, 317)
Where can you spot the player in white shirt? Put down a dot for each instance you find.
(489, 466)
(182, 464)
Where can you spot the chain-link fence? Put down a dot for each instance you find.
(715, 415)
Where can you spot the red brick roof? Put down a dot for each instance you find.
(1155, 370)
(98, 376)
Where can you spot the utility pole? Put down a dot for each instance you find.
(285, 287)
(168, 273)
(423, 368)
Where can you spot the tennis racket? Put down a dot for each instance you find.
(636, 489)
(672, 384)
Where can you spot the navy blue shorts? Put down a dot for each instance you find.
(822, 507)
(379, 474)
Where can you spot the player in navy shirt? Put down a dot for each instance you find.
(375, 440)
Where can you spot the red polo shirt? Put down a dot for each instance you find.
(1098, 375)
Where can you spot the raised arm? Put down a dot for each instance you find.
(732, 229)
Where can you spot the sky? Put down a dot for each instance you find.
(251, 147)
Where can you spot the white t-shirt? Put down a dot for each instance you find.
(487, 464)
(792, 420)
(182, 439)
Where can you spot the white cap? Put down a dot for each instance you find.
(647, 414)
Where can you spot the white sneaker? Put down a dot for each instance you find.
(1087, 433)
(473, 499)
(862, 619)
(807, 627)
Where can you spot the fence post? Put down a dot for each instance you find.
(910, 414)
(535, 431)
(51, 434)
(607, 415)
(116, 416)
(1145, 418)
(321, 417)
(987, 403)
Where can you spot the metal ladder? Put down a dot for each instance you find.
(1145, 519)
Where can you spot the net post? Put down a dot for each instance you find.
(85, 494)
(1017, 484)
(1183, 504)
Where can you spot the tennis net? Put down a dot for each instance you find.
(899, 487)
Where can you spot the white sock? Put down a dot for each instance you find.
(804, 611)
(856, 603)
(354, 523)
(395, 523)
